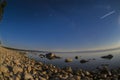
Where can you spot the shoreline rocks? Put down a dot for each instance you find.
(29, 69)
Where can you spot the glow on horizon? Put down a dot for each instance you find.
(111, 46)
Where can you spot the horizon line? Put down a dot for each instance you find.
(81, 51)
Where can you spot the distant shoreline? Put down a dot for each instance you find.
(87, 51)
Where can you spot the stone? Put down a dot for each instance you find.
(76, 57)
(28, 76)
(3, 69)
(17, 69)
(17, 78)
(41, 55)
(63, 76)
(29, 68)
(87, 73)
(107, 56)
(83, 61)
(17, 62)
(68, 69)
(104, 76)
(68, 60)
(52, 56)
(77, 77)
(41, 78)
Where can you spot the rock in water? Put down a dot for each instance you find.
(83, 61)
(68, 60)
(108, 56)
(76, 57)
(52, 56)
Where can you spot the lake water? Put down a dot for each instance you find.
(75, 64)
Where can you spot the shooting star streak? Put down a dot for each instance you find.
(108, 14)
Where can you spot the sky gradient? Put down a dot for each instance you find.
(61, 24)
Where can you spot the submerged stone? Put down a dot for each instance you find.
(107, 56)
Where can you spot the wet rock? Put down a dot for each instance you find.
(42, 55)
(83, 61)
(107, 56)
(52, 56)
(76, 57)
(68, 60)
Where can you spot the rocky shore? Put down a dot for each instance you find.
(14, 65)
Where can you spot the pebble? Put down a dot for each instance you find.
(3, 69)
(28, 76)
(68, 60)
(17, 69)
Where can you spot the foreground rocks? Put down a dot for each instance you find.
(16, 66)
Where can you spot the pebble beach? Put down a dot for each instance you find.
(15, 65)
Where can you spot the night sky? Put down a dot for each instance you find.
(62, 25)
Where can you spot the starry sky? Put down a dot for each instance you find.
(61, 24)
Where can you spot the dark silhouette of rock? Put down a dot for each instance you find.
(42, 55)
(108, 56)
(76, 57)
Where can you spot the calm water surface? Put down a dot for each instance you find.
(75, 64)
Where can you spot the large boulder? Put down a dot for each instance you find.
(52, 56)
